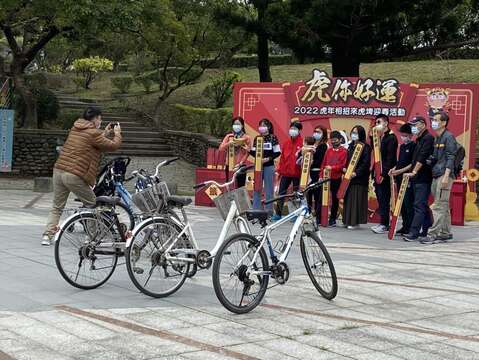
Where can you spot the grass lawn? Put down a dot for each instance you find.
(454, 71)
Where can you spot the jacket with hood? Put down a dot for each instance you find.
(82, 150)
(287, 162)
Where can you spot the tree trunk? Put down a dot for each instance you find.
(263, 48)
(157, 112)
(345, 61)
(30, 118)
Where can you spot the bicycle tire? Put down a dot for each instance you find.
(327, 294)
(67, 229)
(131, 217)
(133, 269)
(222, 252)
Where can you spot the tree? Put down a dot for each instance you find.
(352, 31)
(183, 38)
(220, 88)
(29, 25)
(250, 15)
(91, 67)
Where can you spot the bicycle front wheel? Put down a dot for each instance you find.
(236, 288)
(79, 255)
(146, 259)
(319, 265)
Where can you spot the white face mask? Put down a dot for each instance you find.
(237, 128)
(405, 139)
(380, 127)
(435, 125)
(317, 136)
(415, 130)
(354, 137)
(293, 132)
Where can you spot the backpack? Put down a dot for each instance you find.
(459, 159)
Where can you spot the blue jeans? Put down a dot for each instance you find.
(422, 220)
(268, 189)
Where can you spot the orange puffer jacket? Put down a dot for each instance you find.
(81, 152)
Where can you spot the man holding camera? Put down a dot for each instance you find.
(76, 168)
(442, 162)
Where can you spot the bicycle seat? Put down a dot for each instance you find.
(175, 200)
(260, 215)
(107, 200)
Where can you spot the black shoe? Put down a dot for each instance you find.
(402, 231)
(410, 237)
(332, 223)
(444, 237)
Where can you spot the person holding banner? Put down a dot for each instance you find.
(320, 136)
(271, 150)
(236, 145)
(385, 146)
(355, 210)
(288, 168)
(335, 160)
(404, 165)
(421, 177)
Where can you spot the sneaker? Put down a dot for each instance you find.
(46, 240)
(428, 239)
(444, 237)
(275, 217)
(374, 227)
(402, 231)
(410, 238)
(380, 229)
(332, 223)
(350, 227)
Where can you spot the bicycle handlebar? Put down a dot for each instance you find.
(242, 170)
(298, 194)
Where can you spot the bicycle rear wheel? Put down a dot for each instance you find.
(78, 253)
(125, 217)
(238, 291)
(146, 262)
(319, 265)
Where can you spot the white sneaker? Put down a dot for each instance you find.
(350, 227)
(46, 240)
(380, 229)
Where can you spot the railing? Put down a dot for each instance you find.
(6, 94)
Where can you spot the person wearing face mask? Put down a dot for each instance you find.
(445, 147)
(288, 168)
(335, 160)
(242, 144)
(421, 178)
(271, 150)
(356, 198)
(404, 165)
(320, 136)
(388, 149)
(76, 168)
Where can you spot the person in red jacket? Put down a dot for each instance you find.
(335, 160)
(288, 168)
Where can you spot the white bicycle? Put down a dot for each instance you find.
(162, 251)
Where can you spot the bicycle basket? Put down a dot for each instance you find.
(239, 196)
(152, 199)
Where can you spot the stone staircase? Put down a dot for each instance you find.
(138, 138)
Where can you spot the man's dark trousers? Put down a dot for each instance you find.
(422, 220)
(383, 194)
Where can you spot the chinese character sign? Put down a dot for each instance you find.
(6, 140)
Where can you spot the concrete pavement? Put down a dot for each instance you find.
(396, 300)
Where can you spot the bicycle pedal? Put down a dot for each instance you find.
(138, 270)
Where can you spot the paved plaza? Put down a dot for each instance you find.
(396, 300)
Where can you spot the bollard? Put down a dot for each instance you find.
(43, 185)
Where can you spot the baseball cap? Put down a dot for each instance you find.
(405, 129)
(416, 119)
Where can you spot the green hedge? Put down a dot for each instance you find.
(122, 83)
(216, 122)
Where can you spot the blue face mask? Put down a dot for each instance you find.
(237, 128)
(354, 137)
(414, 130)
(317, 136)
(293, 132)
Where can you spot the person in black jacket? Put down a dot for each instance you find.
(404, 165)
(320, 136)
(389, 146)
(355, 210)
(421, 177)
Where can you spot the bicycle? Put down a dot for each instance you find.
(169, 246)
(242, 260)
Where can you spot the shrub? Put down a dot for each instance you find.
(47, 106)
(79, 82)
(146, 81)
(66, 118)
(215, 122)
(122, 83)
(91, 67)
(220, 89)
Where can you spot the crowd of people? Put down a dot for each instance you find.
(428, 160)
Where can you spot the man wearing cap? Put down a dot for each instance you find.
(421, 177)
(442, 162)
(404, 165)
